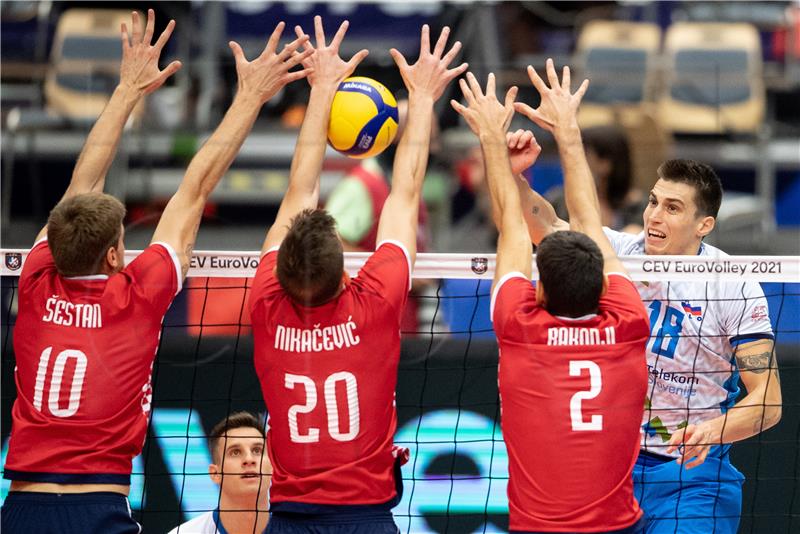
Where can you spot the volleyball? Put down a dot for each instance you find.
(363, 118)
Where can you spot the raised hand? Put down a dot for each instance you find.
(139, 69)
(430, 74)
(523, 150)
(327, 68)
(269, 73)
(484, 113)
(559, 107)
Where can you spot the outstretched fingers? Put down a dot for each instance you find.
(582, 90)
(474, 86)
(438, 50)
(298, 58)
(466, 90)
(238, 54)
(126, 39)
(340, 33)
(552, 75)
(319, 32)
(274, 39)
(290, 48)
(536, 80)
(149, 26)
(451, 54)
(425, 40)
(164, 37)
(357, 58)
(399, 59)
(136, 28)
(511, 96)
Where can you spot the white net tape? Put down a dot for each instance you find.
(237, 264)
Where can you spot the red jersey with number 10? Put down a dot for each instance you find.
(572, 395)
(328, 375)
(84, 349)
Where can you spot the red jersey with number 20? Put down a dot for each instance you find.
(84, 350)
(572, 395)
(328, 375)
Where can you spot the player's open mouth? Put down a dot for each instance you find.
(655, 234)
(250, 475)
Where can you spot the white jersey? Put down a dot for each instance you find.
(694, 327)
(207, 523)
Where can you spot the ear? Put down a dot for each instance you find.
(705, 225)
(215, 473)
(605, 285)
(112, 259)
(275, 271)
(541, 296)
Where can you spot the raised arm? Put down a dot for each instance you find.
(139, 75)
(557, 113)
(425, 81)
(328, 70)
(489, 119)
(757, 411)
(259, 80)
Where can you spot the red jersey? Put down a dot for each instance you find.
(84, 350)
(572, 394)
(328, 375)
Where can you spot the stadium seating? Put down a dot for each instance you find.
(620, 59)
(84, 66)
(713, 81)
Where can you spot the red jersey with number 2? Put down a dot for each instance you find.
(572, 394)
(328, 375)
(84, 349)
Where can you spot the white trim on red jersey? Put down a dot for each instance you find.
(506, 277)
(175, 261)
(402, 247)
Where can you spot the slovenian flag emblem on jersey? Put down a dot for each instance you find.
(691, 310)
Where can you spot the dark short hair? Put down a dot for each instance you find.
(611, 143)
(707, 185)
(310, 260)
(571, 269)
(81, 229)
(232, 421)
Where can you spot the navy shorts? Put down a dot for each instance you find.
(287, 523)
(26, 512)
(636, 528)
(675, 500)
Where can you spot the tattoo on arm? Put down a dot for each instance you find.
(756, 363)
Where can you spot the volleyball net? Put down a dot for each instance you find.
(447, 399)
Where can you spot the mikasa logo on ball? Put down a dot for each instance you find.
(360, 86)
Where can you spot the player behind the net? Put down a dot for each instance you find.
(572, 374)
(705, 336)
(327, 347)
(240, 467)
(88, 326)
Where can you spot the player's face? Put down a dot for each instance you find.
(672, 224)
(244, 462)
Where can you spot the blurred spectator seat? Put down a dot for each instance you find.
(84, 64)
(620, 60)
(714, 79)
